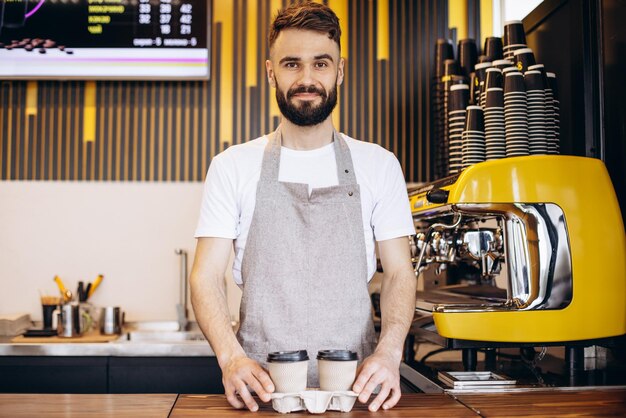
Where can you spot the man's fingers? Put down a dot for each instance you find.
(264, 378)
(247, 398)
(374, 380)
(363, 376)
(231, 397)
(234, 401)
(369, 389)
(258, 389)
(380, 398)
(254, 383)
(393, 400)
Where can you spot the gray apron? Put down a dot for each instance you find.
(304, 268)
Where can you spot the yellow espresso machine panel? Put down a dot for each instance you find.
(544, 233)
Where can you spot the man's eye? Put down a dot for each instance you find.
(291, 65)
(321, 64)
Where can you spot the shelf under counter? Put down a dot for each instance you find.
(138, 361)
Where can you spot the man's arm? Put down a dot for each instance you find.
(208, 298)
(397, 306)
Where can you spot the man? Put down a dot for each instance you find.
(303, 207)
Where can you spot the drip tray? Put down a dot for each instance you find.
(473, 380)
(314, 401)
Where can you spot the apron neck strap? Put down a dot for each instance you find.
(271, 159)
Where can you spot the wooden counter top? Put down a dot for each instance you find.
(80, 405)
(570, 403)
(410, 405)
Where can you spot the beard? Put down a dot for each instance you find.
(306, 114)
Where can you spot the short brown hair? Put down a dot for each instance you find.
(310, 16)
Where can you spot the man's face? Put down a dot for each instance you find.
(305, 68)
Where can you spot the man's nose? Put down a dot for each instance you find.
(306, 76)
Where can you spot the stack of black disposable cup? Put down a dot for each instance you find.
(451, 70)
(548, 106)
(553, 146)
(495, 139)
(458, 98)
(480, 70)
(474, 87)
(510, 107)
(443, 52)
(513, 39)
(515, 113)
(536, 101)
(493, 78)
(473, 137)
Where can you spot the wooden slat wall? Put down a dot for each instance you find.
(170, 130)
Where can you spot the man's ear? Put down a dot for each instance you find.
(270, 73)
(340, 71)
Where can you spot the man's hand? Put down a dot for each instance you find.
(242, 371)
(379, 369)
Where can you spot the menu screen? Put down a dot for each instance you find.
(104, 39)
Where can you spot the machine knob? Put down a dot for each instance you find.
(437, 196)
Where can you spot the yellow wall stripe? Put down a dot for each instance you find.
(252, 37)
(382, 34)
(89, 112)
(340, 7)
(224, 14)
(457, 17)
(486, 20)
(31, 98)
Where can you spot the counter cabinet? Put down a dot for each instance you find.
(79, 374)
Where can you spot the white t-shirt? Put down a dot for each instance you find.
(230, 191)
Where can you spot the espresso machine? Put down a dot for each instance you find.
(520, 252)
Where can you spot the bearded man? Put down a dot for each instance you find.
(303, 208)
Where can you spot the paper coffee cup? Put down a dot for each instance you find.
(337, 369)
(288, 370)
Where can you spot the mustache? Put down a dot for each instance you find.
(305, 89)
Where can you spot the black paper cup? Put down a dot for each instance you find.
(493, 48)
(514, 33)
(467, 56)
(475, 119)
(458, 98)
(443, 51)
(533, 81)
(524, 58)
(493, 78)
(514, 82)
(553, 85)
(494, 97)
